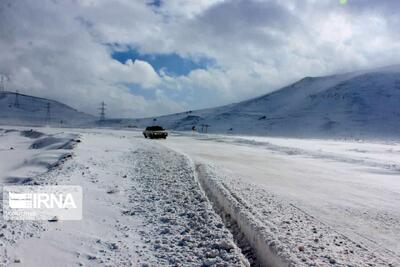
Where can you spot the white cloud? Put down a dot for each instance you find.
(23, 78)
(56, 49)
(138, 72)
(48, 52)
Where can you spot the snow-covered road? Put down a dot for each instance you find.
(295, 202)
(352, 186)
(142, 206)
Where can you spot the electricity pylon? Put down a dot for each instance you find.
(48, 114)
(206, 126)
(2, 80)
(102, 112)
(16, 101)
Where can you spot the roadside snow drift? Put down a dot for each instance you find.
(27, 153)
(184, 229)
(280, 233)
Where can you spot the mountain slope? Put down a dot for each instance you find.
(361, 104)
(32, 110)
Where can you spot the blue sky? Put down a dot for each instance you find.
(172, 63)
(156, 3)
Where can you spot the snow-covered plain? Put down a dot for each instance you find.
(205, 200)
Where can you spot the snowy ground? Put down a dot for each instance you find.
(142, 207)
(352, 186)
(285, 201)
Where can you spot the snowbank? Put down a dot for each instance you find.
(21, 165)
(185, 230)
(31, 133)
(280, 233)
(57, 141)
(28, 153)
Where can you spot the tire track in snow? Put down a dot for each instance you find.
(281, 234)
(182, 227)
(248, 233)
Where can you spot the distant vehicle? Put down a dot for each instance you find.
(155, 132)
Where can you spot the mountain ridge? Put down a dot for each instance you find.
(357, 105)
(362, 104)
(32, 110)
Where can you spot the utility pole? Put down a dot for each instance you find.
(102, 112)
(206, 127)
(2, 87)
(3, 78)
(48, 117)
(16, 101)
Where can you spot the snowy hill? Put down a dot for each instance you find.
(30, 110)
(360, 104)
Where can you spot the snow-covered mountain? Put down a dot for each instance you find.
(20, 109)
(363, 104)
(359, 104)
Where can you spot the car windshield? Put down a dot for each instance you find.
(154, 128)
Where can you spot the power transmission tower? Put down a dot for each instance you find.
(102, 112)
(48, 117)
(206, 126)
(2, 87)
(3, 78)
(16, 101)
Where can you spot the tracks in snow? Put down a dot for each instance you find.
(278, 233)
(182, 229)
(246, 233)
